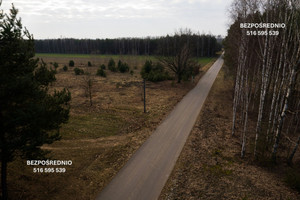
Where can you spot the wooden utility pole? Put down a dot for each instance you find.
(144, 95)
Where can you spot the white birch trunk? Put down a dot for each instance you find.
(262, 95)
(284, 110)
(238, 86)
(246, 114)
(290, 160)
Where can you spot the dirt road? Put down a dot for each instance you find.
(145, 174)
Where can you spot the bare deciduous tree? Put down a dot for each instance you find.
(179, 63)
(87, 83)
(267, 67)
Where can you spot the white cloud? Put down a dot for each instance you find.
(136, 17)
(89, 9)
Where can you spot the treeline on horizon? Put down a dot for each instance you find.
(200, 45)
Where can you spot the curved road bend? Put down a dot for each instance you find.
(145, 174)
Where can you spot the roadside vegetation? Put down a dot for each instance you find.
(106, 124)
(265, 103)
(266, 82)
(267, 86)
(210, 166)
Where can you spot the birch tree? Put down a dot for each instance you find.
(267, 67)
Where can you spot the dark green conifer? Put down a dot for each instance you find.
(30, 115)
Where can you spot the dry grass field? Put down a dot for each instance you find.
(210, 166)
(99, 139)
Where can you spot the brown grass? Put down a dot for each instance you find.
(210, 166)
(99, 139)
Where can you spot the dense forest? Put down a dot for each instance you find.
(201, 45)
(267, 85)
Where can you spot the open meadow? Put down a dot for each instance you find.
(101, 137)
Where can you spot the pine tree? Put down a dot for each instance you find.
(30, 115)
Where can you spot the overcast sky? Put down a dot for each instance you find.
(120, 18)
